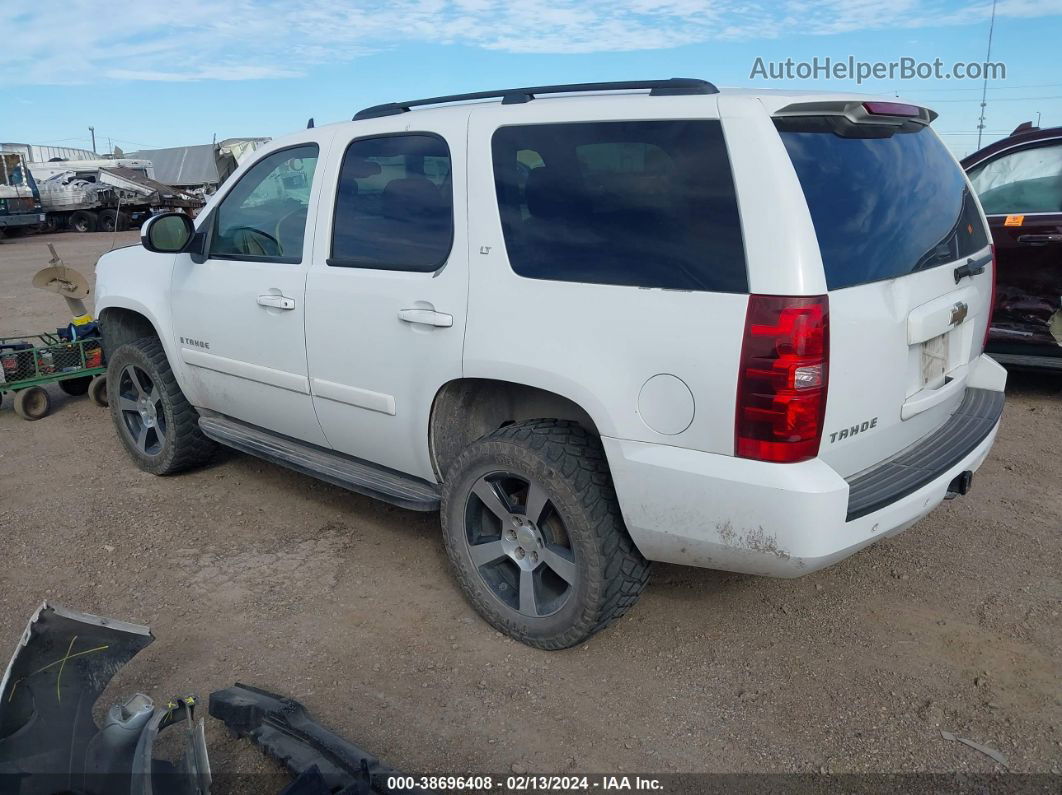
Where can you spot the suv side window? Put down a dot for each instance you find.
(394, 204)
(638, 203)
(1026, 181)
(263, 218)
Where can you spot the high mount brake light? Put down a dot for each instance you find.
(784, 373)
(891, 109)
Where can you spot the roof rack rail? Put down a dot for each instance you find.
(514, 96)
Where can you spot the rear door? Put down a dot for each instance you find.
(1021, 192)
(907, 263)
(387, 289)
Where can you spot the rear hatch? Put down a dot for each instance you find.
(908, 268)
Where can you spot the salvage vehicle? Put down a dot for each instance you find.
(20, 203)
(641, 321)
(104, 195)
(1019, 183)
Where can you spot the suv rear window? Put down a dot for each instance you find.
(645, 204)
(883, 206)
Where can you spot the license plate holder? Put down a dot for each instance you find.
(935, 362)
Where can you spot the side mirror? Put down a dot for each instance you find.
(168, 233)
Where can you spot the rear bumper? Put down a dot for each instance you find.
(787, 520)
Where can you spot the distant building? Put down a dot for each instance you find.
(34, 153)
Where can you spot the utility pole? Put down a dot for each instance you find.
(984, 87)
(93, 131)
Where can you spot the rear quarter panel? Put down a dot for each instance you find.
(596, 344)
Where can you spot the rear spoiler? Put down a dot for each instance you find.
(892, 114)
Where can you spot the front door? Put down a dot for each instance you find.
(387, 289)
(1021, 193)
(238, 317)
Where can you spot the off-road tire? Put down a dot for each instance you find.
(569, 463)
(183, 445)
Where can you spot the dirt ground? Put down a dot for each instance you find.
(246, 571)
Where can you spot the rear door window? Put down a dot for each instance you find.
(883, 206)
(644, 204)
(394, 204)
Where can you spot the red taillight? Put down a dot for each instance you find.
(781, 395)
(891, 109)
(992, 300)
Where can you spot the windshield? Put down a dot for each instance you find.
(884, 206)
(12, 171)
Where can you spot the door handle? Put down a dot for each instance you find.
(426, 317)
(276, 301)
(971, 268)
(1039, 240)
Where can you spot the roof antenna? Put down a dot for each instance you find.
(309, 124)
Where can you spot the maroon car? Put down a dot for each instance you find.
(1019, 183)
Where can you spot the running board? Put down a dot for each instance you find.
(335, 468)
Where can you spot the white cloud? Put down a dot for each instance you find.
(254, 39)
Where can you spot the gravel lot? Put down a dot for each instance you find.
(246, 571)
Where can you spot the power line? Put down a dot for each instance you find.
(1006, 99)
(990, 88)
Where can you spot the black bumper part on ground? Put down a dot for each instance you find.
(929, 459)
(283, 729)
(49, 741)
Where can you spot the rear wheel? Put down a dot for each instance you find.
(97, 391)
(83, 221)
(155, 422)
(107, 221)
(32, 403)
(534, 532)
(76, 386)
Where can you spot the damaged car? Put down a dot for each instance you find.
(1019, 183)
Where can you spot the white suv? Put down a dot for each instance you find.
(639, 321)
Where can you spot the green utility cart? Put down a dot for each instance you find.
(28, 363)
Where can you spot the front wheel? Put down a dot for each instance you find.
(534, 533)
(32, 403)
(156, 424)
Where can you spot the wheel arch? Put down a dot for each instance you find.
(467, 409)
(124, 320)
(121, 324)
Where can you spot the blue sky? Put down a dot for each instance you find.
(153, 75)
